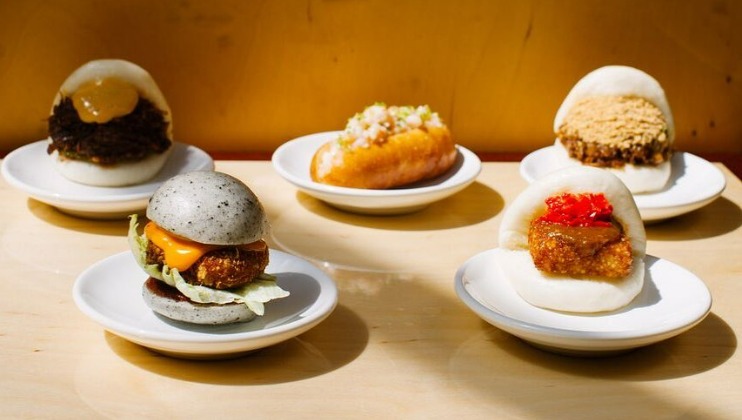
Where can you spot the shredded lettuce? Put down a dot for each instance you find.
(254, 294)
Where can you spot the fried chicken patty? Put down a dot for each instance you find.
(602, 251)
(223, 268)
(612, 131)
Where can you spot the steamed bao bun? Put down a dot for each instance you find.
(125, 173)
(561, 292)
(621, 81)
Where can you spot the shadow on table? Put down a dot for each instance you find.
(335, 342)
(702, 348)
(718, 218)
(474, 204)
(53, 216)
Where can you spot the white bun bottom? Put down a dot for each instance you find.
(564, 293)
(205, 314)
(118, 175)
(638, 178)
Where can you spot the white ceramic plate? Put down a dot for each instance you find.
(292, 160)
(694, 183)
(31, 170)
(672, 301)
(110, 292)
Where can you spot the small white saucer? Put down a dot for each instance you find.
(292, 160)
(110, 293)
(672, 301)
(694, 183)
(31, 170)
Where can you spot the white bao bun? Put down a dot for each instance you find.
(125, 173)
(564, 293)
(618, 81)
(194, 313)
(118, 175)
(210, 208)
(621, 81)
(637, 178)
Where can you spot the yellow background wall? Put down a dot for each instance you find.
(249, 75)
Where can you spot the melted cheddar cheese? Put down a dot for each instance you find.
(179, 252)
(101, 100)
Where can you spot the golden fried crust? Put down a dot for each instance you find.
(404, 158)
(580, 251)
(224, 268)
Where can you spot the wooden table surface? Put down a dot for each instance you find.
(400, 344)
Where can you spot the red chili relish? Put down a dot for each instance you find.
(584, 210)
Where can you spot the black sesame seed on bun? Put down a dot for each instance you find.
(210, 208)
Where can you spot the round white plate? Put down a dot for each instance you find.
(292, 160)
(31, 170)
(672, 301)
(110, 292)
(694, 183)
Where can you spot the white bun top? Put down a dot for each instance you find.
(618, 81)
(581, 179)
(210, 208)
(121, 69)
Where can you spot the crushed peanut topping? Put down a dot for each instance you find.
(621, 121)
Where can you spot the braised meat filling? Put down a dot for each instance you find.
(577, 236)
(223, 268)
(612, 131)
(129, 138)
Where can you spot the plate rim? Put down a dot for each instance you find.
(605, 337)
(328, 291)
(719, 182)
(347, 192)
(58, 199)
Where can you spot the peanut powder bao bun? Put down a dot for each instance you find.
(385, 147)
(204, 251)
(574, 242)
(618, 118)
(110, 125)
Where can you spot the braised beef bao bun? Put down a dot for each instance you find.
(110, 125)
(385, 147)
(574, 242)
(203, 250)
(618, 118)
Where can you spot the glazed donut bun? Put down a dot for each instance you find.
(109, 125)
(617, 118)
(574, 242)
(386, 147)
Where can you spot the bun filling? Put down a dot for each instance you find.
(612, 131)
(128, 138)
(254, 294)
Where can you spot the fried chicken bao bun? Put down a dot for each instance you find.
(621, 81)
(564, 292)
(104, 92)
(385, 147)
(203, 250)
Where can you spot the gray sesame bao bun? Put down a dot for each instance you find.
(209, 208)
